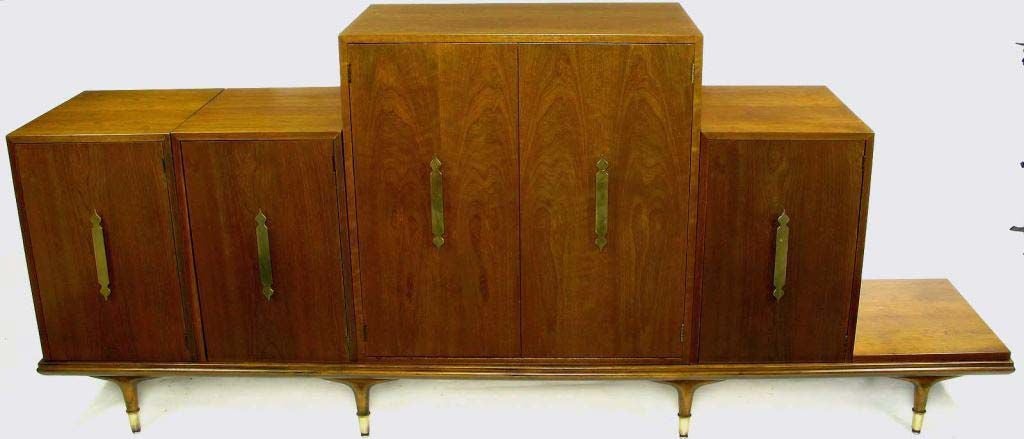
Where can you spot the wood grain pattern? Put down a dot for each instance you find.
(293, 183)
(746, 185)
(921, 320)
(629, 104)
(114, 115)
(778, 112)
(60, 186)
(410, 103)
(266, 113)
(538, 22)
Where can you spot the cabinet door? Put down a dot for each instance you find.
(626, 109)
(746, 187)
(234, 189)
(412, 104)
(95, 211)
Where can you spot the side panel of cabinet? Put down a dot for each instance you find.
(60, 188)
(229, 183)
(630, 105)
(411, 103)
(745, 188)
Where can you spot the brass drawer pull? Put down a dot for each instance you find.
(263, 255)
(436, 203)
(601, 204)
(99, 252)
(781, 254)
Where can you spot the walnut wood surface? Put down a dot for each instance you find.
(772, 112)
(293, 183)
(457, 102)
(628, 104)
(921, 320)
(114, 115)
(746, 185)
(60, 185)
(582, 22)
(267, 113)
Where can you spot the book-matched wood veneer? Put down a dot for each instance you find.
(519, 104)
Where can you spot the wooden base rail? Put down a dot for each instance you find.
(537, 372)
(685, 378)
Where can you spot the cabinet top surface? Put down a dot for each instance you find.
(922, 320)
(524, 22)
(778, 112)
(256, 113)
(118, 115)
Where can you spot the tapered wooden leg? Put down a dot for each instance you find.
(922, 385)
(686, 390)
(361, 389)
(130, 392)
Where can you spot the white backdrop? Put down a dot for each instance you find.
(941, 83)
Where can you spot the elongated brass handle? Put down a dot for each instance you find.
(436, 203)
(263, 255)
(601, 204)
(781, 255)
(99, 252)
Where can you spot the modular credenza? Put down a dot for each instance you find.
(495, 191)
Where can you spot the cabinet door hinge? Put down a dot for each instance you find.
(682, 333)
(334, 165)
(364, 332)
(165, 163)
(348, 72)
(693, 73)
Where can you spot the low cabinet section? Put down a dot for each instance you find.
(266, 224)
(99, 218)
(264, 219)
(95, 188)
(783, 201)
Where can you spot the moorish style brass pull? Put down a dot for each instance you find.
(263, 255)
(99, 252)
(601, 204)
(781, 254)
(436, 203)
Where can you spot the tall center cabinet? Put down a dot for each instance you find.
(517, 192)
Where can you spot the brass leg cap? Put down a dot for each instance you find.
(133, 421)
(364, 425)
(918, 421)
(684, 426)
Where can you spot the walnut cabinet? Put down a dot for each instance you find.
(494, 191)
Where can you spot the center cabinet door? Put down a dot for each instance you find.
(266, 238)
(436, 178)
(605, 132)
